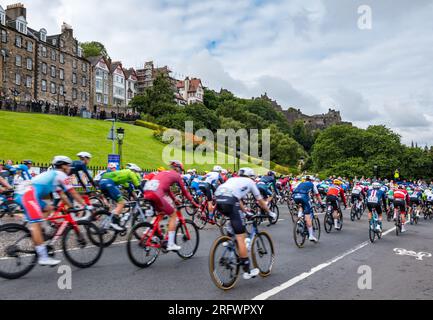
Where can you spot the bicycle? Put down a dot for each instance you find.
(201, 215)
(78, 238)
(146, 240)
(374, 223)
(7, 204)
(329, 219)
(301, 230)
(138, 211)
(357, 210)
(428, 211)
(261, 246)
(414, 216)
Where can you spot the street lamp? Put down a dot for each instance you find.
(120, 137)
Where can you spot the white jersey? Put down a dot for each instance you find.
(238, 188)
(212, 177)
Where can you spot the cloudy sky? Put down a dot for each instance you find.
(306, 54)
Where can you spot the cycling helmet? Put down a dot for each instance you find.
(308, 178)
(133, 167)
(27, 162)
(338, 182)
(175, 164)
(84, 155)
(376, 185)
(160, 169)
(224, 171)
(217, 169)
(271, 173)
(59, 161)
(246, 172)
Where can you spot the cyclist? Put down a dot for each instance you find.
(30, 195)
(158, 191)
(401, 201)
(270, 182)
(415, 199)
(23, 170)
(229, 202)
(79, 166)
(208, 186)
(375, 197)
(109, 185)
(357, 194)
(302, 196)
(9, 166)
(332, 197)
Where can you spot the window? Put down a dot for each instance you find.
(83, 96)
(44, 85)
(62, 44)
(62, 74)
(29, 82)
(21, 26)
(106, 88)
(54, 42)
(61, 90)
(44, 68)
(29, 46)
(53, 87)
(105, 99)
(84, 67)
(74, 78)
(105, 76)
(53, 55)
(80, 52)
(18, 79)
(62, 58)
(98, 72)
(74, 64)
(18, 61)
(53, 71)
(18, 41)
(98, 98)
(43, 34)
(4, 36)
(44, 51)
(29, 64)
(99, 85)
(84, 81)
(3, 18)
(74, 94)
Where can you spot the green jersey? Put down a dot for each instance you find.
(123, 177)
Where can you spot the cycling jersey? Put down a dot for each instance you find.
(271, 182)
(123, 177)
(238, 188)
(213, 178)
(24, 170)
(336, 191)
(301, 195)
(77, 167)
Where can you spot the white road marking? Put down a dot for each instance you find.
(266, 295)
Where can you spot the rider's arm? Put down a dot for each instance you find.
(184, 190)
(89, 177)
(256, 193)
(343, 196)
(4, 183)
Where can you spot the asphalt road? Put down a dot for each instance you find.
(329, 270)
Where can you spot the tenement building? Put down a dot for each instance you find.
(39, 67)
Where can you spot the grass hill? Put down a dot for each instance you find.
(39, 137)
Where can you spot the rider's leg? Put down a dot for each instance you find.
(172, 229)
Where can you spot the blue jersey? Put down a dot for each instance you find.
(306, 188)
(77, 167)
(270, 182)
(49, 182)
(25, 174)
(375, 196)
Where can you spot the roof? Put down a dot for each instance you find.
(194, 84)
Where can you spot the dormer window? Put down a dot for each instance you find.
(80, 52)
(43, 35)
(54, 42)
(21, 25)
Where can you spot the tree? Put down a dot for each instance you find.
(94, 49)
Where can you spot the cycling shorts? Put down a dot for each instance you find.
(207, 189)
(33, 206)
(230, 207)
(110, 189)
(265, 191)
(162, 203)
(413, 201)
(305, 201)
(400, 204)
(334, 202)
(376, 206)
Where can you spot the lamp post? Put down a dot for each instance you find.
(120, 137)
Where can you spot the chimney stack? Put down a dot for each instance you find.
(16, 10)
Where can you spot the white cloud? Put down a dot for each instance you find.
(302, 52)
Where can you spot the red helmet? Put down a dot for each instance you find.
(177, 164)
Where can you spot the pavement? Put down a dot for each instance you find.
(344, 265)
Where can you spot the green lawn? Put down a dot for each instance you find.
(39, 137)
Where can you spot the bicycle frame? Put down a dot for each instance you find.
(156, 230)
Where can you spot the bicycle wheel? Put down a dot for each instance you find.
(274, 208)
(317, 227)
(353, 214)
(262, 253)
(220, 219)
(17, 253)
(189, 244)
(102, 219)
(299, 234)
(96, 203)
(200, 219)
(371, 232)
(328, 222)
(341, 219)
(83, 248)
(138, 253)
(224, 263)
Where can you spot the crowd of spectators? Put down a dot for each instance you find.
(83, 112)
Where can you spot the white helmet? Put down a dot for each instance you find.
(190, 171)
(376, 185)
(133, 167)
(61, 160)
(224, 171)
(217, 169)
(84, 155)
(246, 172)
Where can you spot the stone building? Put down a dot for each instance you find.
(191, 90)
(147, 75)
(38, 67)
(18, 55)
